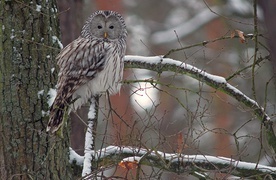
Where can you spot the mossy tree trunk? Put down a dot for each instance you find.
(28, 46)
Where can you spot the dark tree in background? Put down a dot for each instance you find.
(71, 21)
(269, 13)
(29, 43)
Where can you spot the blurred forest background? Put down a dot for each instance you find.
(179, 114)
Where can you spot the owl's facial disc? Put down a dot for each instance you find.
(106, 27)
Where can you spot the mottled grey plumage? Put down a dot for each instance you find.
(90, 65)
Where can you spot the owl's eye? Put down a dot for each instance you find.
(100, 27)
(111, 27)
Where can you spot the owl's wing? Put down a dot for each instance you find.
(79, 62)
(83, 57)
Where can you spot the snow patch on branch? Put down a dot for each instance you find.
(138, 153)
(161, 60)
(55, 39)
(92, 112)
(88, 147)
(132, 159)
(40, 93)
(88, 151)
(52, 93)
(239, 92)
(75, 157)
(185, 158)
(38, 8)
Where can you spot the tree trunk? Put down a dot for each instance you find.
(29, 33)
(269, 13)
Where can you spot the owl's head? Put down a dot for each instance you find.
(107, 25)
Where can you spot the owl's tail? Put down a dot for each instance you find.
(56, 115)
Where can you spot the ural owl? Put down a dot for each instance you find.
(90, 65)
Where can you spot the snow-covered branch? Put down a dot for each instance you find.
(89, 146)
(179, 163)
(160, 64)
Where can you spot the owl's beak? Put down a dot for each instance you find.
(105, 34)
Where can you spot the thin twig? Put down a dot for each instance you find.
(259, 60)
(204, 43)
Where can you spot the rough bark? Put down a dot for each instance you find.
(28, 46)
